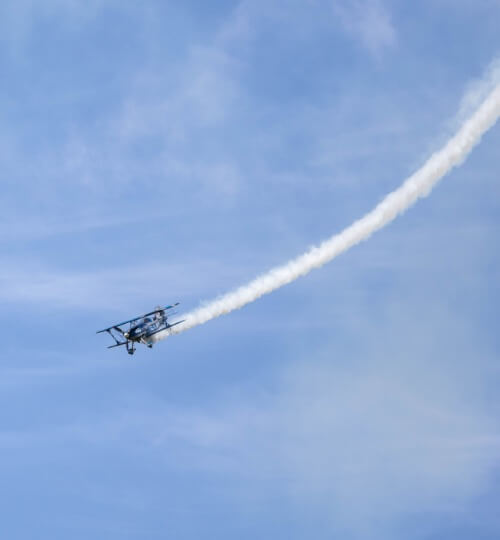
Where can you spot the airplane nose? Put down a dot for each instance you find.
(126, 334)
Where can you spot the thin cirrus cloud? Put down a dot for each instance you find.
(366, 21)
(365, 440)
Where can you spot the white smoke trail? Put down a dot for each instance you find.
(414, 187)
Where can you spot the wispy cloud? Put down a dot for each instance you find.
(18, 17)
(33, 282)
(366, 440)
(367, 21)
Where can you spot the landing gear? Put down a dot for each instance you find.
(130, 347)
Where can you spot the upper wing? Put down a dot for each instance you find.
(157, 310)
(116, 326)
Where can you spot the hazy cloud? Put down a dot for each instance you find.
(367, 21)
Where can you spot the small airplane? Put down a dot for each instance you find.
(141, 329)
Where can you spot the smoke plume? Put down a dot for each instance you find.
(416, 186)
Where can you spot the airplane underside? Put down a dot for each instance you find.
(131, 344)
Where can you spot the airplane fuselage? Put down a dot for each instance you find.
(141, 329)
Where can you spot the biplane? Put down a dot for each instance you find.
(141, 329)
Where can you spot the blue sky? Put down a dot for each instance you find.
(156, 152)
